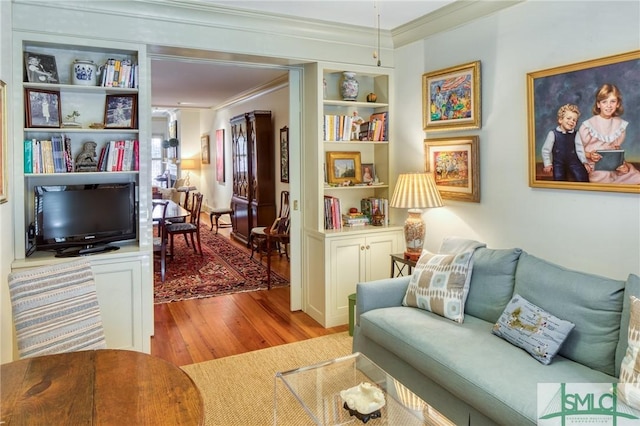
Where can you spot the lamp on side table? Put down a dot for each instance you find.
(415, 191)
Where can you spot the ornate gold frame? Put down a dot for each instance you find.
(462, 154)
(334, 158)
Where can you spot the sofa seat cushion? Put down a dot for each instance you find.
(497, 378)
(592, 303)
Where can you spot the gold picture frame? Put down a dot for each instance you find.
(451, 98)
(343, 167)
(579, 85)
(204, 149)
(455, 164)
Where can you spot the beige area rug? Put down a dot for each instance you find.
(239, 390)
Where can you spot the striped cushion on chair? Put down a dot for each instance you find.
(55, 309)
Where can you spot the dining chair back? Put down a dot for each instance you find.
(257, 236)
(55, 309)
(188, 229)
(160, 241)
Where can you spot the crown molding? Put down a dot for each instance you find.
(451, 16)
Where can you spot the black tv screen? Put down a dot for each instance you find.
(84, 215)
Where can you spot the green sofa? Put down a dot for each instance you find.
(473, 376)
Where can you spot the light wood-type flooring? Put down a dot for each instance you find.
(199, 330)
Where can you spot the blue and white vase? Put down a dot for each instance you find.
(83, 73)
(349, 86)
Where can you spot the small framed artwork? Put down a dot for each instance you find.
(451, 98)
(284, 154)
(120, 112)
(3, 142)
(368, 173)
(204, 149)
(173, 129)
(582, 121)
(455, 164)
(43, 108)
(40, 68)
(343, 168)
(220, 155)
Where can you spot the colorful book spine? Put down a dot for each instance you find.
(28, 156)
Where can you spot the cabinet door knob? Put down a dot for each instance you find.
(362, 248)
(368, 247)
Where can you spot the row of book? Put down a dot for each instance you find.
(352, 127)
(55, 156)
(119, 156)
(48, 156)
(120, 73)
(332, 215)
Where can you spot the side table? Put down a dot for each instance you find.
(399, 263)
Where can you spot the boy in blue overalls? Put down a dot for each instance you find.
(562, 154)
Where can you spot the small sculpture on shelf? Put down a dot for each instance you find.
(71, 120)
(86, 160)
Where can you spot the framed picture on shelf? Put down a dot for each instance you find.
(120, 112)
(43, 108)
(451, 98)
(594, 102)
(204, 149)
(455, 164)
(368, 172)
(3, 142)
(40, 68)
(284, 154)
(343, 168)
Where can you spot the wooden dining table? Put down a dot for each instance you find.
(98, 387)
(174, 211)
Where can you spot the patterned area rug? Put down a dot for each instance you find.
(223, 269)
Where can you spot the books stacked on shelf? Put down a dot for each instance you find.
(332, 215)
(339, 128)
(119, 156)
(355, 219)
(120, 73)
(370, 206)
(48, 156)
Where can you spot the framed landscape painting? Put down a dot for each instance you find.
(343, 168)
(455, 164)
(451, 98)
(584, 125)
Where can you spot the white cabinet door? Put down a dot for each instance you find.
(377, 253)
(119, 288)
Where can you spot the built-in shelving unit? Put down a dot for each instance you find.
(337, 259)
(124, 277)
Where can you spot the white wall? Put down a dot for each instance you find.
(552, 224)
(6, 209)
(218, 195)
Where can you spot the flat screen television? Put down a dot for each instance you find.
(75, 220)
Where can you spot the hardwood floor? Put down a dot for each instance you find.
(199, 330)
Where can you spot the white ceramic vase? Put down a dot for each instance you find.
(349, 86)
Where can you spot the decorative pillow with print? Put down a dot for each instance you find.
(629, 385)
(531, 328)
(440, 284)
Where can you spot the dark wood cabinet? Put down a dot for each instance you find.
(253, 152)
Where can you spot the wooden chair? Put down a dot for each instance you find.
(160, 242)
(257, 237)
(55, 309)
(190, 228)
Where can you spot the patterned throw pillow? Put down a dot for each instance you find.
(440, 284)
(531, 328)
(629, 386)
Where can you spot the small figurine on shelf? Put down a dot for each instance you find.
(356, 121)
(71, 120)
(86, 160)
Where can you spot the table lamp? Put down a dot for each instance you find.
(415, 191)
(188, 164)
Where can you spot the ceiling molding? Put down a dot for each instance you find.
(446, 18)
(261, 90)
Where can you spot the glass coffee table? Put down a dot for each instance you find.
(311, 395)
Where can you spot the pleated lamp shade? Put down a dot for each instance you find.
(415, 191)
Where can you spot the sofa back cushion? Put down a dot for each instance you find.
(592, 303)
(492, 282)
